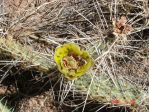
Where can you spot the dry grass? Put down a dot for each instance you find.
(45, 24)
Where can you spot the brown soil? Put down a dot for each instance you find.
(28, 94)
(39, 103)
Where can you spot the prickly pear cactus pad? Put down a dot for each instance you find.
(4, 108)
(25, 54)
(72, 61)
(102, 89)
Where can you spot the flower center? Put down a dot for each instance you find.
(73, 62)
(69, 62)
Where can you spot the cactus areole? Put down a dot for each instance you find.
(72, 62)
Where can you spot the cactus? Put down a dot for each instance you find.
(25, 54)
(102, 89)
(4, 108)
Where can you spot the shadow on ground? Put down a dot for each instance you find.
(26, 91)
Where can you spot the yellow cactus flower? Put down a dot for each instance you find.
(72, 62)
